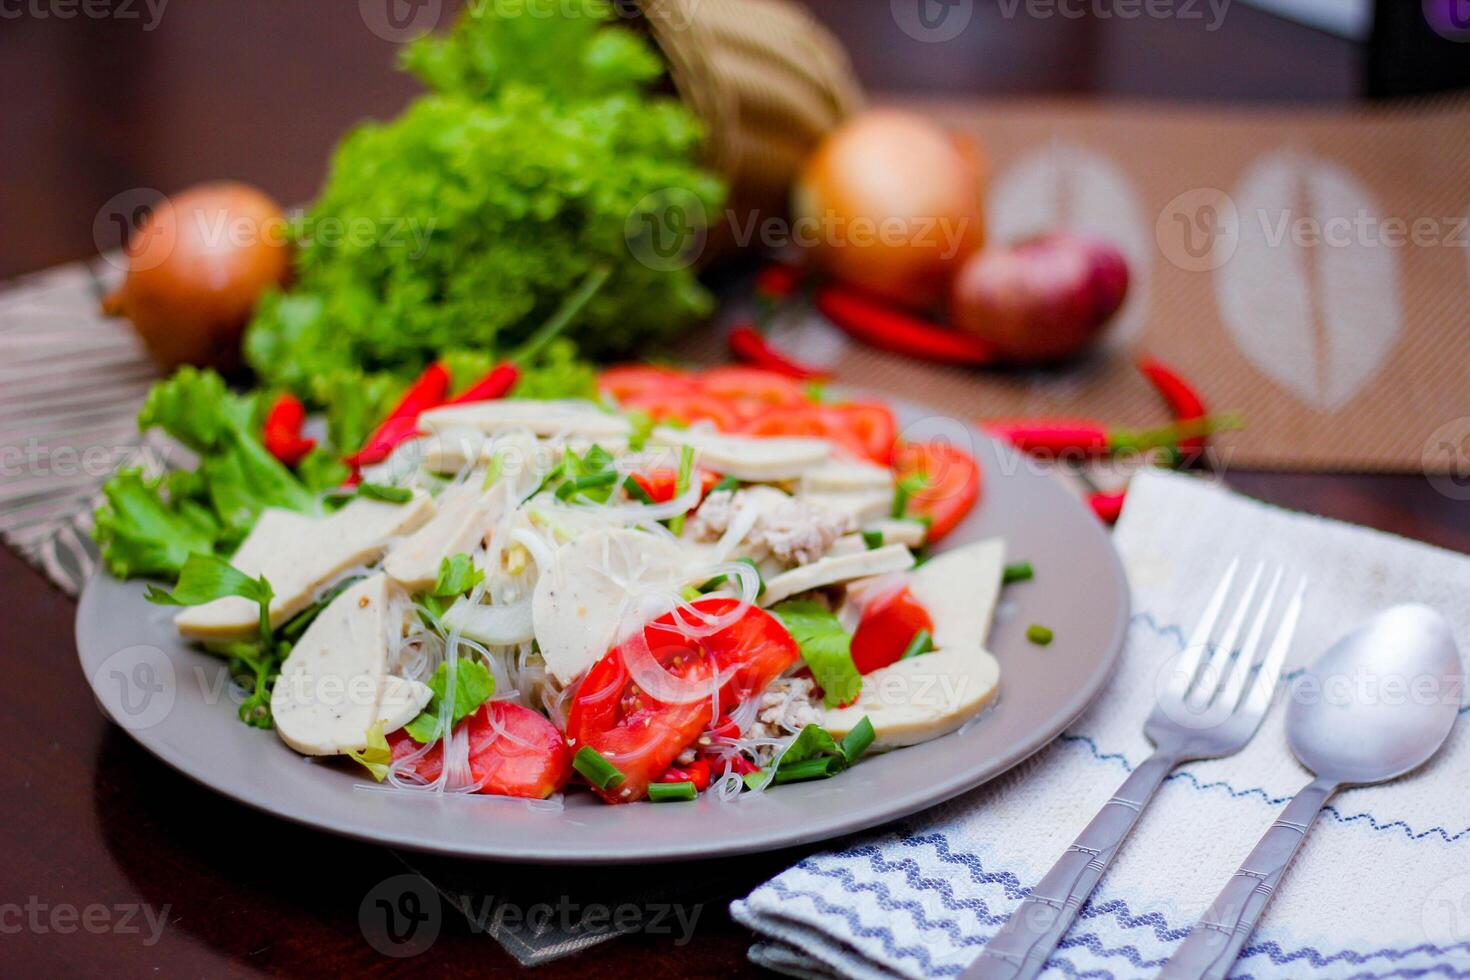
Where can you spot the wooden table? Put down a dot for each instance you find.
(94, 825)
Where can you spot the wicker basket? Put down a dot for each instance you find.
(767, 81)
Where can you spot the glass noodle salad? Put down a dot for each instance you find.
(702, 584)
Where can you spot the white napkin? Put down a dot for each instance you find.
(1380, 889)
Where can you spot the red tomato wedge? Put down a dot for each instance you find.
(954, 484)
(751, 391)
(687, 407)
(662, 485)
(810, 420)
(642, 736)
(632, 380)
(888, 626)
(870, 423)
(513, 750)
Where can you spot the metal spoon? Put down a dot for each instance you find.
(1376, 705)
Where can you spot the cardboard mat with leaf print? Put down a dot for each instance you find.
(1307, 268)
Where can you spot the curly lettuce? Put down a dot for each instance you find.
(461, 225)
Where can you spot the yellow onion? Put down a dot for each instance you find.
(197, 264)
(891, 203)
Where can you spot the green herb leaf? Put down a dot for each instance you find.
(473, 686)
(873, 539)
(457, 576)
(205, 578)
(904, 491)
(141, 533)
(681, 485)
(825, 646)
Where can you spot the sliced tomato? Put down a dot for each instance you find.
(751, 391)
(642, 736)
(687, 407)
(870, 423)
(514, 751)
(808, 420)
(888, 626)
(953, 487)
(697, 772)
(632, 380)
(662, 485)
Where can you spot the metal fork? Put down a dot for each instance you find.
(1200, 714)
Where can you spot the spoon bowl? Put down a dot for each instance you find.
(1380, 701)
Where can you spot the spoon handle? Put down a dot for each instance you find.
(1210, 949)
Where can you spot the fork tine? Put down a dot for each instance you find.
(1230, 697)
(1180, 683)
(1265, 684)
(1212, 678)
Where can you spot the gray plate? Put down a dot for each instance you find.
(174, 701)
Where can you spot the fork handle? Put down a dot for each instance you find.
(1021, 948)
(1211, 948)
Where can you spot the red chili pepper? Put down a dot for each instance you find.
(1107, 506)
(778, 281)
(1182, 398)
(281, 432)
(497, 384)
(1089, 437)
(748, 346)
(697, 772)
(741, 766)
(402, 423)
(891, 329)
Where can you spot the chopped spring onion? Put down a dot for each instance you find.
(387, 494)
(595, 769)
(818, 768)
(905, 490)
(873, 539)
(636, 491)
(720, 580)
(726, 483)
(681, 485)
(596, 480)
(921, 644)
(672, 792)
(494, 471)
(1020, 571)
(1040, 635)
(856, 742)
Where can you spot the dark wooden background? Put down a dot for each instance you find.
(260, 90)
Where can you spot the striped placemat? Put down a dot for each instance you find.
(71, 383)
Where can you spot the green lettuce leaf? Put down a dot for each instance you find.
(825, 646)
(473, 686)
(141, 533)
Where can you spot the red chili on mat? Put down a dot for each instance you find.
(883, 326)
(1183, 400)
(1089, 437)
(748, 346)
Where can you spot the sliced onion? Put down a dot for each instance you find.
(740, 525)
(496, 626)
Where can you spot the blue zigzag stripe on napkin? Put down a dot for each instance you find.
(953, 927)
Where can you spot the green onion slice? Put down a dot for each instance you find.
(1038, 634)
(1020, 571)
(672, 792)
(595, 769)
(921, 644)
